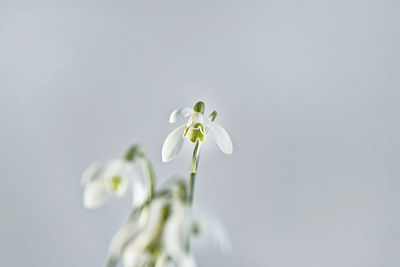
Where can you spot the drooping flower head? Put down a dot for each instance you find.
(195, 130)
(102, 181)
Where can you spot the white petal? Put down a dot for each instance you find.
(122, 188)
(92, 172)
(117, 167)
(119, 241)
(180, 113)
(198, 118)
(123, 236)
(95, 194)
(134, 252)
(139, 194)
(164, 261)
(177, 228)
(187, 261)
(221, 137)
(173, 143)
(134, 256)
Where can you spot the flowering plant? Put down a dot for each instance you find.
(160, 227)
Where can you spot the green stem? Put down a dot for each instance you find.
(193, 172)
(195, 163)
(136, 152)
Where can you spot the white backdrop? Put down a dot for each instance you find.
(309, 91)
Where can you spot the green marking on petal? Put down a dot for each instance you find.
(195, 229)
(186, 132)
(115, 182)
(154, 247)
(197, 133)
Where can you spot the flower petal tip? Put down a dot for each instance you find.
(164, 157)
(228, 151)
(172, 119)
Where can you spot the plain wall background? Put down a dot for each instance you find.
(309, 91)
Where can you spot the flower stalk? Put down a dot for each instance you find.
(193, 172)
(137, 152)
(195, 164)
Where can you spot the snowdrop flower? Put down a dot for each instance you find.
(145, 247)
(183, 224)
(196, 130)
(135, 223)
(162, 241)
(177, 234)
(103, 181)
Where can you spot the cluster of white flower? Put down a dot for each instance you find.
(161, 225)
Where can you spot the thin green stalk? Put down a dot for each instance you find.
(195, 163)
(193, 172)
(136, 152)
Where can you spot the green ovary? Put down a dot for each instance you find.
(197, 133)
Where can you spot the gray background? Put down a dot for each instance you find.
(309, 91)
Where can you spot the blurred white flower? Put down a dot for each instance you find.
(161, 240)
(145, 247)
(102, 181)
(184, 226)
(136, 222)
(196, 129)
(177, 233)
(159, 232)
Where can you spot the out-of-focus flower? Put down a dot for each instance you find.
(178, 228)
(155, 244)
(159, 233)
(132, 227)
(156, 234)
(102, 181)
(144, 248)
(196, 129)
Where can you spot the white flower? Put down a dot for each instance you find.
(195, 130)
(136, 222)
(177, 233)
(163, 239)
(183, 226)
(145, 243)
(102, 181)
(158, 234)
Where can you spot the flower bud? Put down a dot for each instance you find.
(199, 107)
